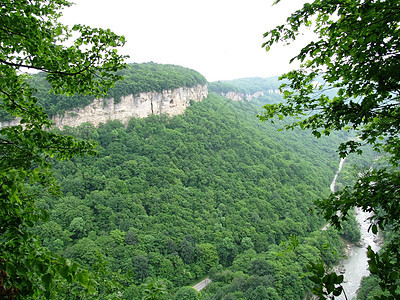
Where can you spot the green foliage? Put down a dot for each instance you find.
(186, 292)
(350, 230)
(155, 290)
(356, 53)
(222, 87)
(173, 198)
(245, 85)
(370, 288)
(249, 86)
(136, 78)
(33, 38)
(152, 77)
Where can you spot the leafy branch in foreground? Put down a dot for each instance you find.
(32, 38)
(356, 53)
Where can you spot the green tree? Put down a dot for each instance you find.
(78, 227)
(32, 38)
(355, 54)
(141, 268)
(186, 251)
(186, 292)
(259, 293)
(118, 236)
(156, 290)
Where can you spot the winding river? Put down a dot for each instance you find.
(355, 266)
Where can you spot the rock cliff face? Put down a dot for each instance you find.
(238, 96)
(235, 96)
(171, 102)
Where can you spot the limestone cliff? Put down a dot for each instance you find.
(171, 102)
(239, 96)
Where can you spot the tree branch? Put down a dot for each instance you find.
(15, 65)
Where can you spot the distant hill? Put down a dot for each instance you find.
(249, 85)
(145, 77)
(247, 89)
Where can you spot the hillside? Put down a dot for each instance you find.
(169, 200)
(247, 89)
(246, 85)
(138, 78)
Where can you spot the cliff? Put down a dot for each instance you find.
(246, 89)
(171, 102)
(239, 96)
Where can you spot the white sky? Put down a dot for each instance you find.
(221, 39)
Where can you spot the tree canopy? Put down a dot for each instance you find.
(78, 60)
(249, 85)
(136, 78)
(356, 53)
(171, 199)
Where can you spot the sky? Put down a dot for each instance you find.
(221, 39)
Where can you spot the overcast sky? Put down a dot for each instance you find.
(219, 38)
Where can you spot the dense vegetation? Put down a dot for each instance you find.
(152, 77)
(169, 201)
(76, 60)
(137, 78)
(355, 50)
(245, 85)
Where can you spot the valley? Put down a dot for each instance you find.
(212, 191)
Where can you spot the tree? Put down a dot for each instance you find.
(186, 292)
(156, 290)
(350, 80)
(186, 251)
(140, 265)
(259, 293)
(32, 38)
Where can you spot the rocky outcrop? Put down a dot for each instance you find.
(235, 96)
(171, 102)
(14, 122)
(238, 96)
(276, 91)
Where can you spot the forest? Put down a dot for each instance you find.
(210, 193)
(147, 209)
(136, 78)
(245, 85)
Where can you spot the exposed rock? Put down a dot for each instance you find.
(235, 96)
(14, 122)
(171, 102)
(274, 91)
(238, 96)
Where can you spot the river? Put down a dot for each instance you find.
(355, 266)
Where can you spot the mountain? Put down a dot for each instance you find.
(208, 192)
(248, 89)
(146, 89)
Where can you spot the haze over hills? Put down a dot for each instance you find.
(211, 191)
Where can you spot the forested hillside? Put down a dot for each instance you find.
(137, 78)
(211, 192)
(245, 85)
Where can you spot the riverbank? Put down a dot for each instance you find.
(355, 266)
